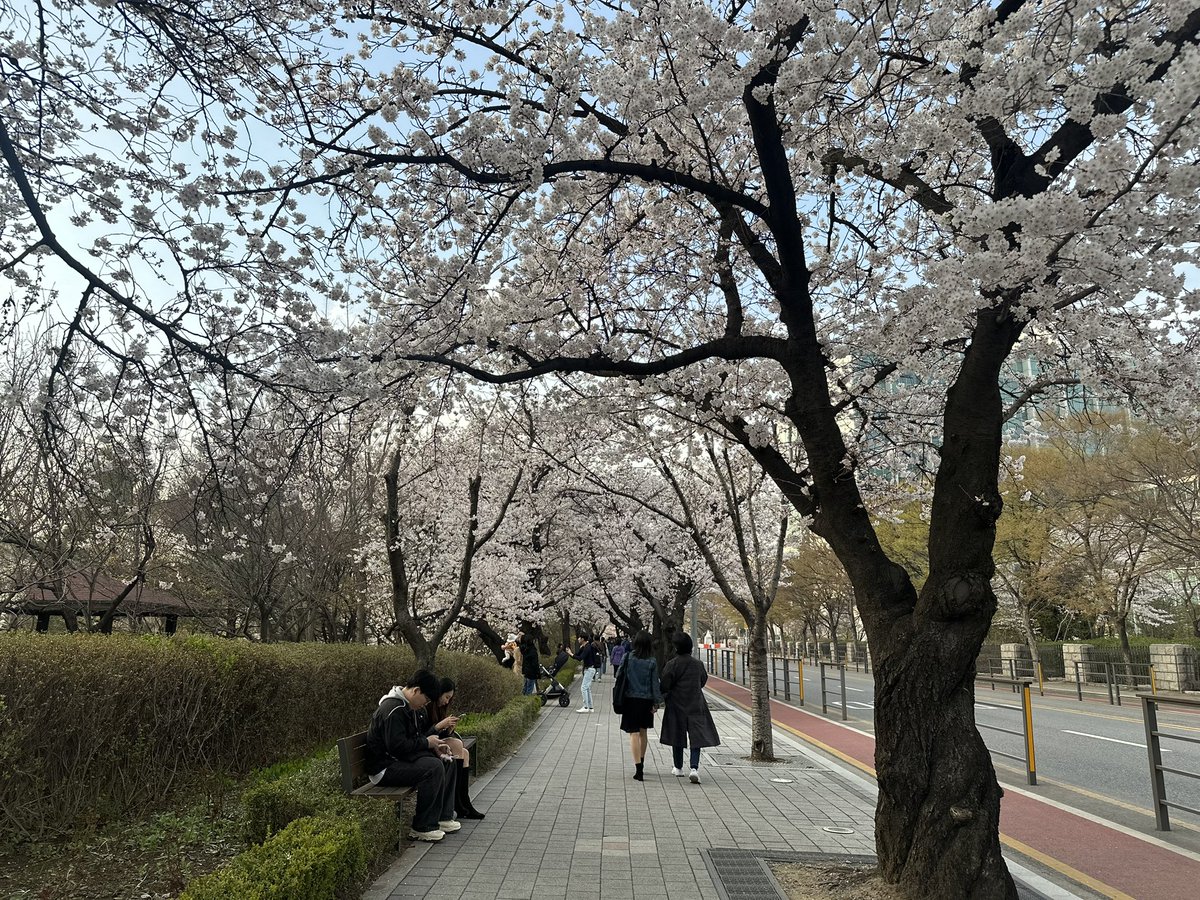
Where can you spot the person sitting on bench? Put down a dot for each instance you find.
(443, 724)
(400, 754)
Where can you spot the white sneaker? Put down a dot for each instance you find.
(449, 826)
(583, 709)
(693, 776)
(431, 836)
(678, 773)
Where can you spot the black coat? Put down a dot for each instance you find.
(686, 719)
(530, 665)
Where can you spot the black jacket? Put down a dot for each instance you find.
(686, 719)
(530, 664)
(396, 734)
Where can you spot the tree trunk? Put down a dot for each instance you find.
(762, 745)
(1123, 634)
(1030, 637)
(938, 814)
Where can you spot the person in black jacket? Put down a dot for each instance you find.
(686, 721)
(400, 754)
(530, 663)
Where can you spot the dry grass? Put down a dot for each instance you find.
(832, 882)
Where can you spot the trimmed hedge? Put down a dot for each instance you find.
(95, 727)
(305, 822)
(315, 790)
(313, 858)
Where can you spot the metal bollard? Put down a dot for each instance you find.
(1158, 788)
(1030, 760)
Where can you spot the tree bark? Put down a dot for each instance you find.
(1027, 630)
(938, 815)
(762, 745)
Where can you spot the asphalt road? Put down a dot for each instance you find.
(1089, 754)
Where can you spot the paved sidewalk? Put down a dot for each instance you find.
(566, 818)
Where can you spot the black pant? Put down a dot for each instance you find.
(434, 780)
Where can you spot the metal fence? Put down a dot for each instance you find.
(841, 667)
(1113, 675)
(1154, 736)
(1020, 685)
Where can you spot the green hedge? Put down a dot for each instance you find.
(315, 788)
(313, 858)
(96, 727)
(305, 822)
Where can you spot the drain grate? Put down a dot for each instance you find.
(718, 706)
(746, 874)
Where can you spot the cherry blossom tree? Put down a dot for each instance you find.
(774, 209)
(818, 224)
(450, 481)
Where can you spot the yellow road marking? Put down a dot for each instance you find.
(1071, 872)
(1049, 861)
(1096, 715)
(1093, 795)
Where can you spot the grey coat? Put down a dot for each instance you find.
(686, 719)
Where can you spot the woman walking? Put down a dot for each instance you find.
(686, 719)
(642, 697)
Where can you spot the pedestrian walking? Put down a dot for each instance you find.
(686, 720)
(618, 653)
(602, 654)
(642, 698)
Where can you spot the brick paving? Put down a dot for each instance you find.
(565, 817)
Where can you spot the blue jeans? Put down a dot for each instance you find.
(586, 687)
(530, 686)
(677, 755)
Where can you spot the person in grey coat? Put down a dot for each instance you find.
(686, 720)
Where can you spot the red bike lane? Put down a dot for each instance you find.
(1108, 860)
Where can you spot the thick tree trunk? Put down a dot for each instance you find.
(762, 746)
(937, 820)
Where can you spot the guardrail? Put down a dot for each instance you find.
(787, 676)
(1026, 710)
(841, 667)
(1014, 669)
(1086, 668)
(1158, 786)
(721, 662)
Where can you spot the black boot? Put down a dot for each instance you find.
(462, 793)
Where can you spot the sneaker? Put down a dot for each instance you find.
(693, 776)
(583, 709)
(449, 826)
(678, 773)
(432, 836)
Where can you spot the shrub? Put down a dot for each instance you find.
(496, 734)
(315, 789)
(289, 808)
(101, 726)
(313, 858)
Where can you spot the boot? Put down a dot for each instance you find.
(462, 793)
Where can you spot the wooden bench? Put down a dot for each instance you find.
(352, 751)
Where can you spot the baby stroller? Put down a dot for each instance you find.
(554, 689)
